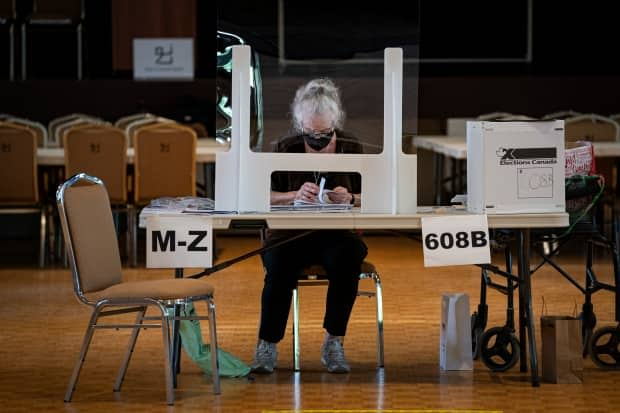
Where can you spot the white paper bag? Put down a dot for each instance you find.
(455, 351)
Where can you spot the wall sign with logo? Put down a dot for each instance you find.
(163, 59)
(179, 242)
(455, 240)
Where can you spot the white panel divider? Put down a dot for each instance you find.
(243, 177)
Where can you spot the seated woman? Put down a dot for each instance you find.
(318, 120)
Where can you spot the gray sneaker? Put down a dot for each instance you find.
(265, 358)
(332, 356)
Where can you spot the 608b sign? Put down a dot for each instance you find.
(455, 240)
(461, 239)
(179, 242)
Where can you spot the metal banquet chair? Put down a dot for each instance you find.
(90, 239)
(316, 275)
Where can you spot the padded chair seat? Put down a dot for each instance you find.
(318, 270)
(52, 19)
(156, 289)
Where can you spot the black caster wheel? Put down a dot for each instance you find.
(499, 349)
(605, 348)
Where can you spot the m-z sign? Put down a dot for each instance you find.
(179, 242)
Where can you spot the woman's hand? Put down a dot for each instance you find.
(308, 192)
(340, 195)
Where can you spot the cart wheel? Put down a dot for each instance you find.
(605, 348)
(499, 348)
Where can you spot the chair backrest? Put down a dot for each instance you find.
(133, 126)
(493, 115)
(562, 114)
(504, 116)
(165, 162)
(18, 165)
(89, 233)
(591, 127)
(55, 123)
(63, 128)
(7, 9)
(71, 9)
(101, 151)
(36, 127)
(122, 122)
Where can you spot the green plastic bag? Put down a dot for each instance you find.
(200, 353)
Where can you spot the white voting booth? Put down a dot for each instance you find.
(243, 177)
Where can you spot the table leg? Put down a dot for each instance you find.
(525, 291)
(461, 170)
(209, 172)
(455, 176)
(522, 310)
(616, 260)
(176, 338)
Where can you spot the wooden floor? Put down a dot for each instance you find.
(42, 326)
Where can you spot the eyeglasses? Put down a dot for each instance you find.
(320, 135)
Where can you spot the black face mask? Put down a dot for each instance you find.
(317, 143)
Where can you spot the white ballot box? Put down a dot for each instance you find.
(515, 167)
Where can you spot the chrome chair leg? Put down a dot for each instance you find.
(134, 238)
(23, 51)
(128, 234)
(43, 236)
(296, 350)
(165, 329)
(379, 304)
(215, 363)
(85, 344)
(378, 294)
(132, 343)
(79, 51)
(12, 53)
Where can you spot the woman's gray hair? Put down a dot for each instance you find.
(317, 97)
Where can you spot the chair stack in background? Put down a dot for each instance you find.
(164, 166)
(58, 126)
(54, 15)
(8, 16)
(164, 160)
(19, 184)
(100, 150)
